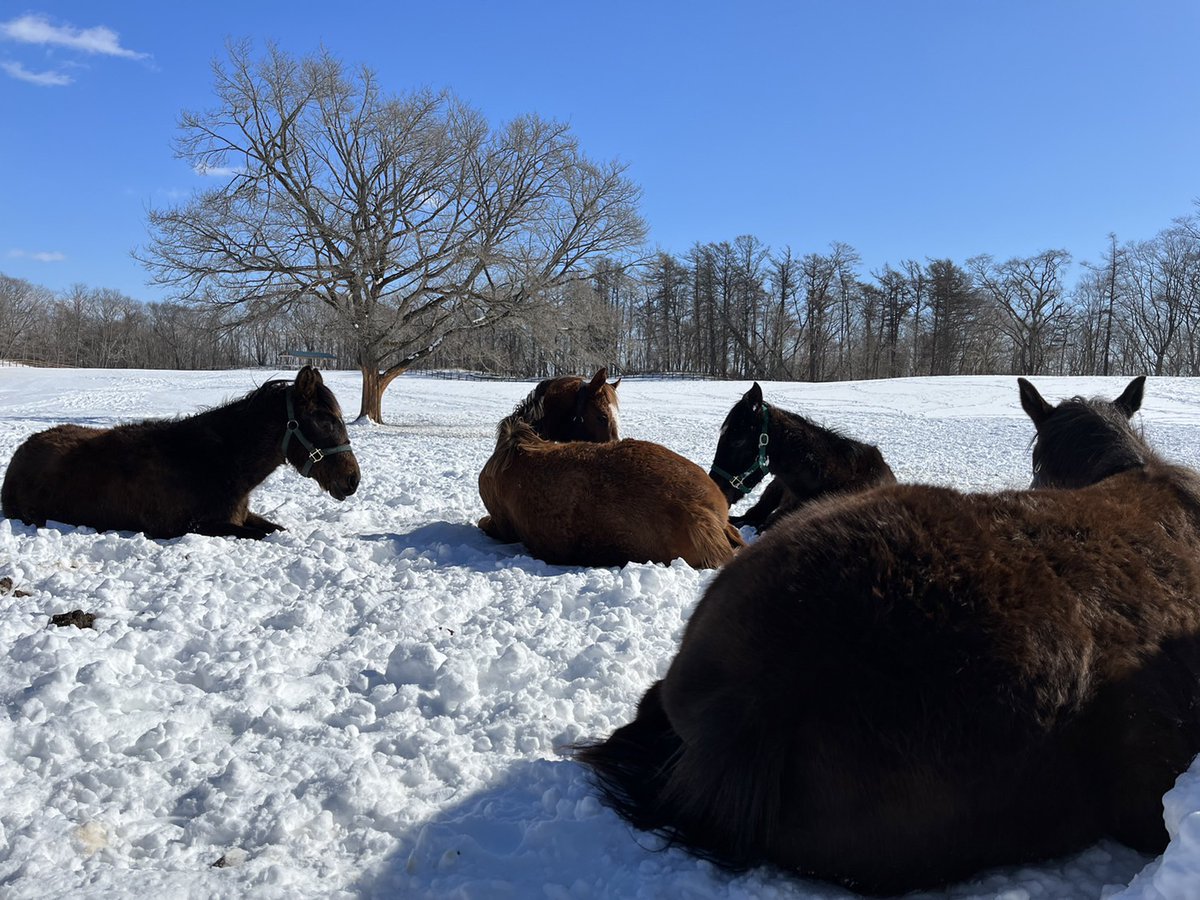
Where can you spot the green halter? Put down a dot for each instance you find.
(741, 482)
(315, 454)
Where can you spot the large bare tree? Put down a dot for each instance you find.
(407, 216)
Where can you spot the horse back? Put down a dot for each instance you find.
(1010, 634)
(138, 477)
(606, 504)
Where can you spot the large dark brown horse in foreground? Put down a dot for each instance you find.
(806, 460)
(570, 408)
(898, 688)
(602, 504)
(170, 477)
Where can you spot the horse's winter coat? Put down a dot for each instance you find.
(603, 504)
(195, 474)
(895, 689)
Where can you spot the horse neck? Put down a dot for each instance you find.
(246, 436)
(795, 441)
(1186, 484)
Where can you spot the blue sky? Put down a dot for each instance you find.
(905, 129)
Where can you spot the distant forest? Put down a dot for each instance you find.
(733, 309)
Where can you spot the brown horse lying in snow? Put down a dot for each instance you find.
(603, 504)
(168, 477)
(898, 688)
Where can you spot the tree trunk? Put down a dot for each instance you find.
(374, 383)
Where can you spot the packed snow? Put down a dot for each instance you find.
(372, 703)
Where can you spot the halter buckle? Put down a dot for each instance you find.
(317, 455)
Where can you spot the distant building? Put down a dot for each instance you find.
(307, 357)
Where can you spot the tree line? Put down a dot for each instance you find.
(738, 309)
(730, 309)
(104, 328)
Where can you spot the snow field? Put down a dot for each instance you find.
(371, 703)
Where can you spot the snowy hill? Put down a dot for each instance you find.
(369, 703)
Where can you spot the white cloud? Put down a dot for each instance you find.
(35, 29)
(46, 256)
(218, 171)
(43, 79)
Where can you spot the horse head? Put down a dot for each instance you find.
(741, 458)
(1082, 441)
(315, 440)
(596, 408)
(571, 408)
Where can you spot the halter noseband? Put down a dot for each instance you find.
(742, 482)
(315, 454)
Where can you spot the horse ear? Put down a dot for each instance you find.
(753, 396)
(1130, 400)
(1033, 403)
(598, 379)
(617, 382)
(307, 380)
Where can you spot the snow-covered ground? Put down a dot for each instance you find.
(369, 703)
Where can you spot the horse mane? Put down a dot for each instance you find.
(531, 410)
(207, 415)
(513, 432)
(830, 438)
(1092, 435)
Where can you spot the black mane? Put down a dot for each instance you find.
(1084, 441)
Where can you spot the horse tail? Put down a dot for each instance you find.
(10, 491)
(724, 789)
(632, 765)
(718, 799)
(736, 541)
(713, 542)
(8, 496)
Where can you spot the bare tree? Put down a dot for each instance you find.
(22, 306)
(898, 295)
(1030, 295)
(1163, 277)
(784, 283)
(409, 217)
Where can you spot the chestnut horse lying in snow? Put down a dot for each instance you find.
(898, 688)
(601, 504)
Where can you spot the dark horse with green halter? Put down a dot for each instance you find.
(807, 460)
(195, 474)
(898, 688)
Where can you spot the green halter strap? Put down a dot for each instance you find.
(315, 454)
(741, 482)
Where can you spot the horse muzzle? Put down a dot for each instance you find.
(344, 478)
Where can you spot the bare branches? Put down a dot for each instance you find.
(408, 216)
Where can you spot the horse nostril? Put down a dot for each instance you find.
(352, 483)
